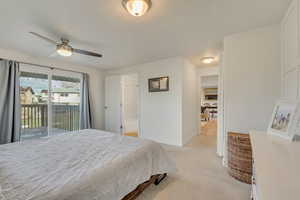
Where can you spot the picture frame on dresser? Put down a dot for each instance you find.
(285, 120)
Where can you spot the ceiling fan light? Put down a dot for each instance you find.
(64, 50)
(208, 60)
(137, 7)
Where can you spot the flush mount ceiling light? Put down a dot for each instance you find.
(137, 7)
(208, 60)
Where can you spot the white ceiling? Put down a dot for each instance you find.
(189, 28)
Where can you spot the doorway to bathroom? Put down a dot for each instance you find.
(130, 105)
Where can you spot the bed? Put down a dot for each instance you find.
(84, 165)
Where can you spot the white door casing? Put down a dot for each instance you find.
(221, 130)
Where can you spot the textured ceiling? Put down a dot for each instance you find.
(188, 28)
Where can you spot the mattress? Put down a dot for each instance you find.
(86, 165)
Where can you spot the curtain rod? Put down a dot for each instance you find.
(45, 66)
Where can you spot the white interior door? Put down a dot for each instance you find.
(113, 99)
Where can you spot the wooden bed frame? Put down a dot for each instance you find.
(156, 179)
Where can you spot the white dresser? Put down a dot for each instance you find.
(276, 168)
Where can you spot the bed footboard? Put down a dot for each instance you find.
(156, 179)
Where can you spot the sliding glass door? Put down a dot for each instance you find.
(50, 102)
(34, 89)
(65, 96)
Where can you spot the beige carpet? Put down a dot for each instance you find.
(200, 176)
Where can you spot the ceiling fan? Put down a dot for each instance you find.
(64, 49)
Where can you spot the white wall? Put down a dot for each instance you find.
(209, 71)
(290, 27)
(96, 80)
(251, 78)
(190, 103)
(161, 114)
(210, 81)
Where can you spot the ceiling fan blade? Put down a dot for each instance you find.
(88, 53)
(44, 38)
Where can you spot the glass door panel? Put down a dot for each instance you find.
(65, 104)
(34, 105)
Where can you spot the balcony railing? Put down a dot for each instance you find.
(35, 119)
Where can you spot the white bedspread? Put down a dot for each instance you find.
(91, 165)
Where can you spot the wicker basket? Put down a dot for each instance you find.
(240, 157)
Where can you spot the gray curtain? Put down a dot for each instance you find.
(10, 122)
(85, 112)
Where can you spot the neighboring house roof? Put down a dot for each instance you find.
(66, 90)
(25, 89)
(44, 91)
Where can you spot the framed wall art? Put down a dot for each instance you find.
(160, 84)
